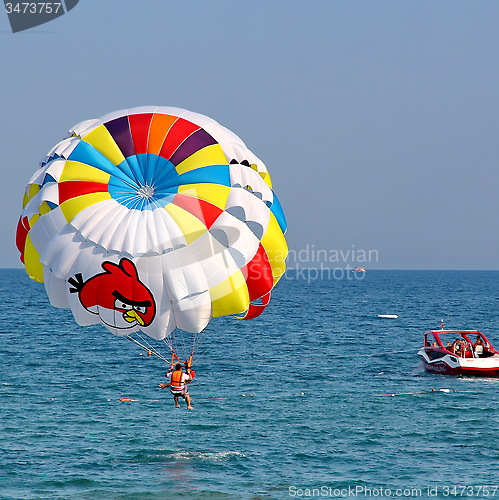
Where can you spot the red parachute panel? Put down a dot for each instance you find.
(204, 211)
(72, 189)
(177, 134)
(139, 126)
(258, 274)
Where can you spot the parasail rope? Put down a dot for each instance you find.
(168, 342)
(147, 347)
(172, 342)
(181, 341)
(171, 347)
(184, 346)
(148, 344)
(196, 341)
(333, 355)
(197, 356)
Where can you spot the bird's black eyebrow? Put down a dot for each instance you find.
(143, 303)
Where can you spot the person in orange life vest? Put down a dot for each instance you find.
(178, 384)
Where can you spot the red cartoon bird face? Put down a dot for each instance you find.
(117, 295)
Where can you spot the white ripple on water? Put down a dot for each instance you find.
(208, 456)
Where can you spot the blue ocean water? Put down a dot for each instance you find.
(308, 408)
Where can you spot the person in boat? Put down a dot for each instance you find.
(456, 347)
(478, 346)
(178, 384)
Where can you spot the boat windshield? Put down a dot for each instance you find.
(460, 343)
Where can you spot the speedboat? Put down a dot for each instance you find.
(459, 352)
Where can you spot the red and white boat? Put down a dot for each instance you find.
(459, 352)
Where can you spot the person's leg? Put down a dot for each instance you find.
(175, 398)
(188, 401)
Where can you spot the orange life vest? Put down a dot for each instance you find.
(177, 379)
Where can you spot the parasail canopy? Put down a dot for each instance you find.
(152, 219)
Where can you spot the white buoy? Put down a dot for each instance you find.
(389, 316)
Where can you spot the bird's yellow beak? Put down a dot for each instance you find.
(132, 316)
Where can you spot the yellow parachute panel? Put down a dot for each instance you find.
(34, 267)
(73, 206)
(276, 248)
(191, 226)
(102, 141)
(45, 208)
(30, 192)
(230, 297)
(216, 194)
(76, 171)
(210, 155)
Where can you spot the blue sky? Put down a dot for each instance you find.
(377, 119)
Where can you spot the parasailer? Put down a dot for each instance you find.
(178, 384)
(151, 221)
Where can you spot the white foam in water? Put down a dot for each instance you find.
(200, 455)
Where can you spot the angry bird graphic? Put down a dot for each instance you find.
(117, 295)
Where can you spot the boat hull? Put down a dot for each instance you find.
(438, 361)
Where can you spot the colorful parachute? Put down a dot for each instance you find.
(152, 219)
